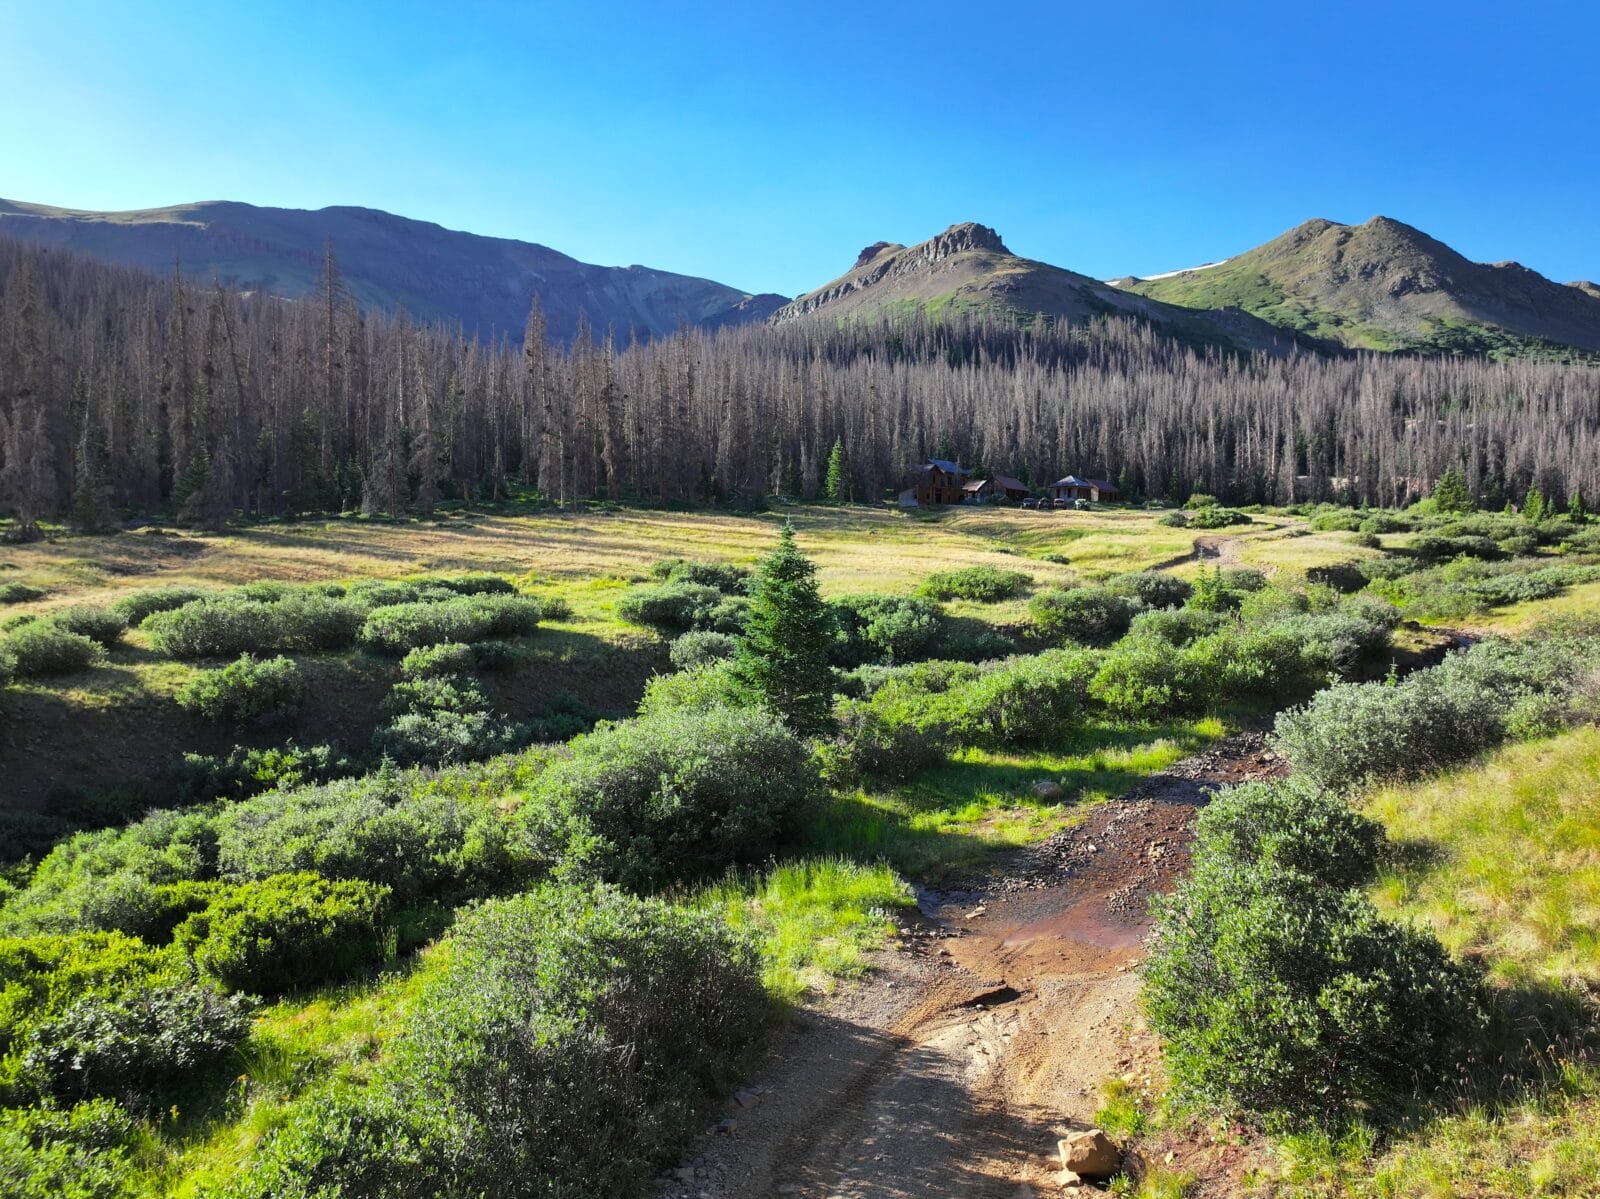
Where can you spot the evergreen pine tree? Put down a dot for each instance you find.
(782, 660)
(1575, 508)
(834, 486)
(1450, 493)
(1533, 508)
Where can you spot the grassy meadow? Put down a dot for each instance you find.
(1128, 673)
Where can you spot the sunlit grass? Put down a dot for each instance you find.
(1509, 860)
(956, 815)
(816, 919)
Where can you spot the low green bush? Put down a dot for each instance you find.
(1291, 1000)
(474, 584)
(566, 1047)
(137, 605)
(442, 736)
(701, 647)
(382, 593)
(1431, 548)
(1031, 700)
(1143, 677)
(115, 880)
(388, 828)
(8, 665)
(245, 771)
(1151, 588)
(1384, 522)
(1291, 824)
(104, 625)
(1176, 626)
(102, 1013)
(1088, 615)
(1173, 520)
(399, 628)
(287, 931)
(435, 693)
(41, 647)
(563, 718)
(20, 593)
(679, 794)
(80, 1152)
(891, 736)
(883, 628)
(215, 628)
(246, 691)
(726, 578)
(679, 607)
(692, 690)
(1217, 518)
(135, 1044)
(981, 584)
(1432, 719)
(442, 660)
(310, 621)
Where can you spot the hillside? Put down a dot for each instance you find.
(968, 269)
(390, 262)
(1383, 285)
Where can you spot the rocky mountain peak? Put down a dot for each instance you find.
(876, 248)
(969, 235)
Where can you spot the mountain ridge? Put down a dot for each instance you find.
(486, 284)
(1387, 285)
(968, 267)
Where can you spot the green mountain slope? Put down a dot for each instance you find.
(967, 268)
(1383, 285)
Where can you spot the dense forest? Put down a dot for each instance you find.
(124, 392)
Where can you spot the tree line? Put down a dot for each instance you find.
(124, 392)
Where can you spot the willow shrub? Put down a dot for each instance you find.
(41, 647)
(1089, 615)
(246, 691)
(679, 794)
(1291, 999)
(287, 931)
(980, 584)
(565, 1047)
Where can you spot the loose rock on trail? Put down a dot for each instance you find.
(982, 1038)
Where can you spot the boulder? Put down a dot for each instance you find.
(1048, 789)
(1092, 1154)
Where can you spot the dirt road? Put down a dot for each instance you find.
(985, 1034)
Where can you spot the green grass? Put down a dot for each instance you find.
(1509, 861)
(954, 816)
(817, 919)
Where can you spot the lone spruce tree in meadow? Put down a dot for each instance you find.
(1450, 493)
(834, 486)
(782, 660)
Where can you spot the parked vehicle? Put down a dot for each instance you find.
(1030, 502)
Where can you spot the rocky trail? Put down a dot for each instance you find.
(985, 1032)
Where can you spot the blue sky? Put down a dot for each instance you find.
(764, 144)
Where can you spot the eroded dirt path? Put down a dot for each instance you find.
(985, 1034)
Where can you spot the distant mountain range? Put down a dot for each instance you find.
(1381, 285)
(485, 283)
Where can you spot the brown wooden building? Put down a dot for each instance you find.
(940, 482)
